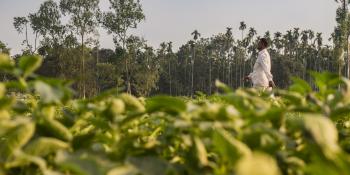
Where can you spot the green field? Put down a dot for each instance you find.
(43, 130)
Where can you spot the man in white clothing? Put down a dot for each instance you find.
(261, 75)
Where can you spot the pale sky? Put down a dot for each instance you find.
(174, 20)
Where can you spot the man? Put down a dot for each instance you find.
(261, 75)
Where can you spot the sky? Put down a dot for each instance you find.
(175, 20)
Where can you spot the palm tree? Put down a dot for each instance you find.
(304, 37)
(196, 35)
(311, 35)
(319, 42)
(228, 44)
(288, 40)
(228, 32)
(170, 52)
(252, 32)
(209, 49)
(277, 42)
(242, 27)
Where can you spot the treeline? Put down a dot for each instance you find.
(71, 51)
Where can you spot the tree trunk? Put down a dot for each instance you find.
(97, 62)
(36, 38)
(210, 83)
(347, 59)
(243, 74)
(27, 40)
(170, 90)
(83, 66)
(192, 72)
(236, 73)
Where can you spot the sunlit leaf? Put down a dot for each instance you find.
(323, 132)
(45, 146)
(15, 138)
(51, 127)
(170, 105)
(257, 164)
(132, 103)
(230, 149)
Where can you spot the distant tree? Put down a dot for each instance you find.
(124, 14)
(4, 49)
(83, 21)
(342, 33)
(228, 32)
(227, 61)
(108, 77)
(251, 34)
(21, 25)
(47, 22)
(196, 36)
(242, 27)
(277, 41)
(170, 54)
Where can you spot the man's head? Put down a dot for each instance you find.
(263, 44)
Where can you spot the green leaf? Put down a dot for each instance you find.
(171, 105)
(83, 141)
(51, 127)
(117, 107)
(201, 152)
(2, 90)
(300, 86)
(48, 94)
(257, 164)
(230, 149)
(132, 103)
(28, 64)
(81, 164)
(15, 138)
(339, 113)
(23, 160)
(6, 63)
(323, 132)
(6, 103)
(223, 86)
(326, 81)
(44, 146)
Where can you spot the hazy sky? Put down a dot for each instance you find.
(174, 20)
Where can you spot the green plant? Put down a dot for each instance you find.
(43, 130)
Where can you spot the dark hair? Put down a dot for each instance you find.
(264, 42)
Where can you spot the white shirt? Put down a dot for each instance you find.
(261, 74)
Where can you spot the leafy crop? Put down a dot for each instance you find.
(43, 130)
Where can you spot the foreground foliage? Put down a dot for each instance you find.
(246, 132)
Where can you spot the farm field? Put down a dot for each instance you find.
(244, 132)
(174, 87)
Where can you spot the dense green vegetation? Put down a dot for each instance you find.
(244, 132)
